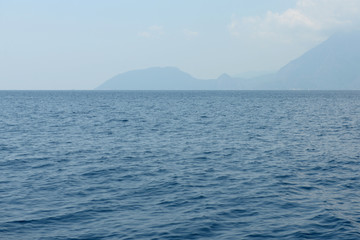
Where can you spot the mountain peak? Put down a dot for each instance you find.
(224, 76)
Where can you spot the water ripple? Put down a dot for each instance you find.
(179, 165)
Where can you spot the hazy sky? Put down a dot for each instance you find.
(78, 44)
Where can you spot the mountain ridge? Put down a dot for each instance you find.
(165, 78)
(332, 65)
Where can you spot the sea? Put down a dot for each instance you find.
(179, 165)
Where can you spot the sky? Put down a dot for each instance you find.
(79, 44)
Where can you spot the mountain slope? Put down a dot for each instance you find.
(334, 64)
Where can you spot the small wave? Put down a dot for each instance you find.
(117, 121)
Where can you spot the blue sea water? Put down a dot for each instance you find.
(179, 165)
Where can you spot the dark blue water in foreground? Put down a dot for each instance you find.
(179, 165)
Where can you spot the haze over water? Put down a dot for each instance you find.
(179, 165)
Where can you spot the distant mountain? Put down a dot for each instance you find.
(226, 82)
(166, 78)
(332, 65)
(156, 78)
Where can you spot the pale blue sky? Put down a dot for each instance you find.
(78, 44)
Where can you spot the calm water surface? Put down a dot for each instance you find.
(179, 165)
